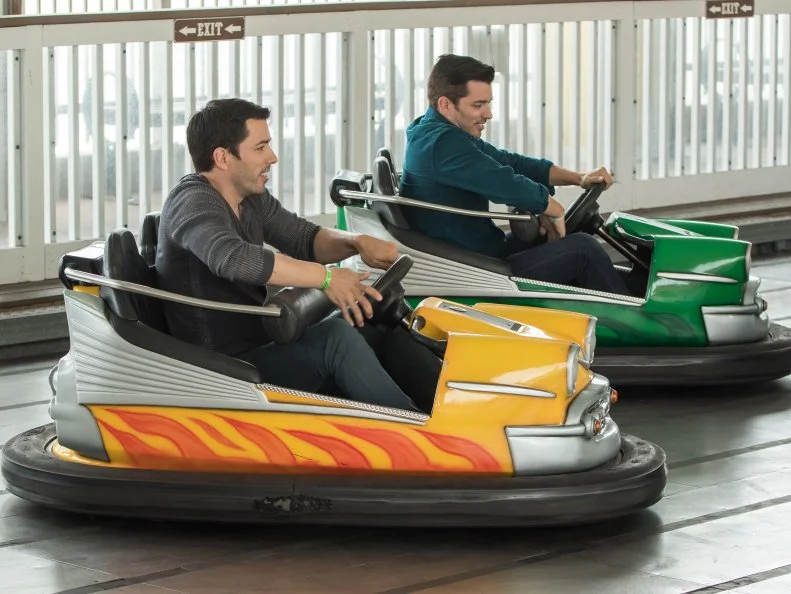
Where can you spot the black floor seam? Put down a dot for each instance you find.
(729, 453)
(745, 580)
(24, 404)
(593, 544)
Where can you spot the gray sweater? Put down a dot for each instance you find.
(205, 251)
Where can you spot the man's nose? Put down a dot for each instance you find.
(487, 113)
(272, 157)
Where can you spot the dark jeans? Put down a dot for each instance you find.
(335, 351)
(577, 259)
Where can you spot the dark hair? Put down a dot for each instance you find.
(221, 124)
(450, 76)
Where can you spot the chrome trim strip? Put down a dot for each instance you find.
(596, 297)
(500, 389)
(403, 201)
(96, 279)
(693, 276)
(752, 309)
(546, 431)
(352, 404)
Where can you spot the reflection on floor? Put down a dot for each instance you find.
(724, 524)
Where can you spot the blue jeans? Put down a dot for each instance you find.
(334, 351)
(578, 260)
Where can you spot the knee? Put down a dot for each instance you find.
(341, 336)
(587, 245)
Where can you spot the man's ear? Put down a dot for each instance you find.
(220, 156)
(444, 104)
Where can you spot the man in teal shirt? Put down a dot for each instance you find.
(447, 162)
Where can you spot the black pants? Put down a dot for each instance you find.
(578, 260)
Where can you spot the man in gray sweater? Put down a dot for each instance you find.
(213, 228)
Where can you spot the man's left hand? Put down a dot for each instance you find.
(375, 252)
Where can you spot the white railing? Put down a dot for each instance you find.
(682, 109)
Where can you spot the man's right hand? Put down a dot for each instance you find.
(347, 291)
(552, 229)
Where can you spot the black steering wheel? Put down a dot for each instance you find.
(583, 213)
(393, 307)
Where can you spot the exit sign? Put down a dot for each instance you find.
(208, 29)
(729, 9)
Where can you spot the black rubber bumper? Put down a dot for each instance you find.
(634, 481)
(766, 360)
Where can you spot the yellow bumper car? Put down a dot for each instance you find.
(517, 432)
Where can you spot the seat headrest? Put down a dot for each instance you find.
(122, 261)
(382, 182)
(149, 232)
(385, 152)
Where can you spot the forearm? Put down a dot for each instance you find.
(564, 177)
(554, 209)
(331, 246)
(290, 272)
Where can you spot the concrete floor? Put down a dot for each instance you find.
(724, 524)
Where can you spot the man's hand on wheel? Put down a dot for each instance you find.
(375, 252)
(347, 291)
(552, 229)
(597, 177)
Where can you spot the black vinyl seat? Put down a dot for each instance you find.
(140, 320)
(149, 231)
(392, 216)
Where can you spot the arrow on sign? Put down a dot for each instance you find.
(715, 9)
(187, 30)
(233, 28)
(747, 8)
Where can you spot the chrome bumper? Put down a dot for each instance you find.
(573, 447)
(738, 324)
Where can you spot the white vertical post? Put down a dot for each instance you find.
(14, 144)
(121, 186)
(624, 45)
(50, 134)
(771, 96)
(608, 97)
(694, 118)
(522, 119)
(360, 98)
(189, 95)
(557, 119)
(591, 52)
(409, 77)
(647, 104)
(73, 158)
(711, 108)
(662, 93)
(235, 68)
(541, 90)
(144, 133)
(98, 168)
(298, 200)
(277, 58)
(741, 119)
(166, 107)
(342, 93)
(574, 30)
(390, 89)
(681, 71)
(727, 97)
(758, 81)
(785, 127)
(256, 64)
(320, 127)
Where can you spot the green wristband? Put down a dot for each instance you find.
(327, 279)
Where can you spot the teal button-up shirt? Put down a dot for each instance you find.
(445, 165)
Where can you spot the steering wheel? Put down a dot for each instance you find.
(583, 213)
(392, 308)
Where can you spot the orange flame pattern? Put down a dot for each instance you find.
(229, 441)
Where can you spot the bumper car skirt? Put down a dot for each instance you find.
(765, 360)
(632, 481)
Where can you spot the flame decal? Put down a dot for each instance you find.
(137, 450)
(344, 454)
(481, 460)
(270, 444)
(187, 443)
(215, 435)
(404, 453)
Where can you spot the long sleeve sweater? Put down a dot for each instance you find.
(445, 165)
(205, 251)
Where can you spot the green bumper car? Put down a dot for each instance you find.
(700, 319)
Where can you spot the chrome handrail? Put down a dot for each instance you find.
(103, 281)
